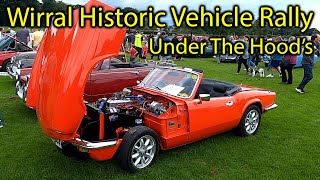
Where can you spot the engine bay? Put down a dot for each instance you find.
(122, 111)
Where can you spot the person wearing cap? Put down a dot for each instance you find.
(138, 43)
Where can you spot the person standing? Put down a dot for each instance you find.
(36, 38)
(144, 50)
(289, 61)
(275, 62)
(130, 40)
(138, 43)
(1, 31)
(156, 44)
(245, 56)
(317, 45)
(10, 31)
(219, 49)
(23, 35)
(166, 38)
(307, 64)
(133, 54)
(175, 41)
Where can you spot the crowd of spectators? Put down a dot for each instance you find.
(137, 44)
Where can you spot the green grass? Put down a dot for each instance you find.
(286, 146)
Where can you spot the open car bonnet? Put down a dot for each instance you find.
(65, 58)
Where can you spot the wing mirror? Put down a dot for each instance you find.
(138, 82)
(204, 97)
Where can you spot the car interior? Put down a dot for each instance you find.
(217, 88)
(17, 46)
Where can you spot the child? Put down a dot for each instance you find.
(144, 50)
(133, 54)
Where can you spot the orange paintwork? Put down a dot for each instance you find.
(201, 120)
(61, 68)
(63, 63)
(101, 126)
(104, 154)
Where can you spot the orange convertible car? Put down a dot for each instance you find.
(171, 107)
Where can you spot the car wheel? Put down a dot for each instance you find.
(138, 149)
(5, 65)
(250, 121)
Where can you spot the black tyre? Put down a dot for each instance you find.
(5, 65)
(139, 149)
(250, 121)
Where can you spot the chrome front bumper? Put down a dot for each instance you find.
(273, 106)
(92, 145)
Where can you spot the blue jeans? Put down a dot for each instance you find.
(250, 63)
(132, 59)
(308, 75)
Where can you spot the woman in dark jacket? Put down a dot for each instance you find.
(291, 62)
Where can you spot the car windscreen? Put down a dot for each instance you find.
(5, 42)
(171, 81)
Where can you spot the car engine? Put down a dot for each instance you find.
(126, 103)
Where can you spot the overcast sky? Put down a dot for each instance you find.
(251, 5)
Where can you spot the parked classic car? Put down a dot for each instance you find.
(23, 60)
(299, 60)
(112, 75)
(171, 107)
(9, 46)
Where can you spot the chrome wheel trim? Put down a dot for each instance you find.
(143, 151)
(252, 121)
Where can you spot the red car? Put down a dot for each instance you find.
(171, 107)
(105, 79)
(9, 47)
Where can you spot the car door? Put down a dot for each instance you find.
(207, 118)
(108, 80)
